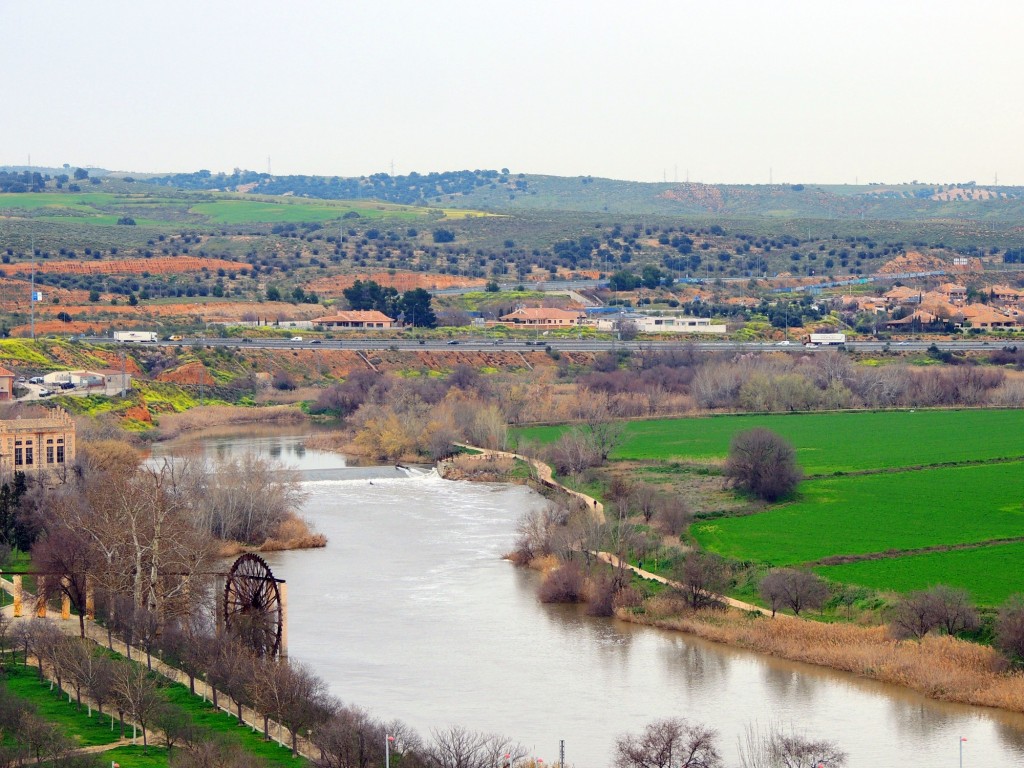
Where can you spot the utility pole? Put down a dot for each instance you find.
(124, 372)
(561, 753)
(32, 289)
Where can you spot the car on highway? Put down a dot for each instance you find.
(296, 338)
(452, 341)
(811, 345)
(783, 343)
(317, 341)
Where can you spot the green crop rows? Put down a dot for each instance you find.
(990, 573)
(831, 442)
(876, 513)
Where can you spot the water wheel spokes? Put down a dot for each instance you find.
(252, 605)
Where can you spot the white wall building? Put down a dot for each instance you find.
(662, 323)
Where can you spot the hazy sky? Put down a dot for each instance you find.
(724, 90)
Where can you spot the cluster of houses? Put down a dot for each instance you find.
(1003, 307)
(545, 319)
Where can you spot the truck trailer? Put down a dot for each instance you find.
(137, 337)
(825, 339)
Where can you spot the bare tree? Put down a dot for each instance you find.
(955, 611)
(667, 744)
(776, 748)
(137, 695)
(793, 589)
(703, 576)
(350, 739)
(245, 499)
(763, 463)
(603, 434)
(673, 516)
(1010, 627)
(68, 554)
(298, 699)
(456, 747)
(99, 679)
(177, 727)
(645, 500)
(918, 613)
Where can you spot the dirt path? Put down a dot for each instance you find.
(615, 562)
(545, 476)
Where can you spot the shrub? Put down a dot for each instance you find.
(763, 463)
(563, 585)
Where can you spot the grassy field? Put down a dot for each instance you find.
(830, 442)
(105, 208)
(991, 574)
(923, 478)
(875, 513)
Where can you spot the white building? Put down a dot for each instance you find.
(662, 323)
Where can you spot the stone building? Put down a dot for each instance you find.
(28, 445)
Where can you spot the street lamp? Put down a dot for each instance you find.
(387, 750)
(962, 740)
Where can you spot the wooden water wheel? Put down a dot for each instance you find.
(252, 605)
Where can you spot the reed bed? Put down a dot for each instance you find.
(175, 424)
(938, 667)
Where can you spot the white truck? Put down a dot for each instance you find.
(825, 339)
(138, 337)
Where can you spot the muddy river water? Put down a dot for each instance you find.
(411, 613)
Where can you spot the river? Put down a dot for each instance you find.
(411, 613)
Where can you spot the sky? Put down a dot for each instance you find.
(718, 91)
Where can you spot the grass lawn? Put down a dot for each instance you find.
(23, 682)
(219, 722)
(135, 757)
(830, 442)
(991, 574)
(875, 513)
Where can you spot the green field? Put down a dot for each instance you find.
(991, 574)
(875, 513)
(830, 442)
(105, 208)
(243, 211)
(923, 478)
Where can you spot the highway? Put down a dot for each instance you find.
(470, 343)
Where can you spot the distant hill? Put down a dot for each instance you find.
(504, 191)
(500, 190)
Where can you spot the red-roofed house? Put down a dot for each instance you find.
(543, 317)
(982, 316)
(357, 318)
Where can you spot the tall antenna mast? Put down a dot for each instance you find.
(268, 166)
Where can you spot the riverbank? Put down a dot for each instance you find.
(205, 418)
(939, 667)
